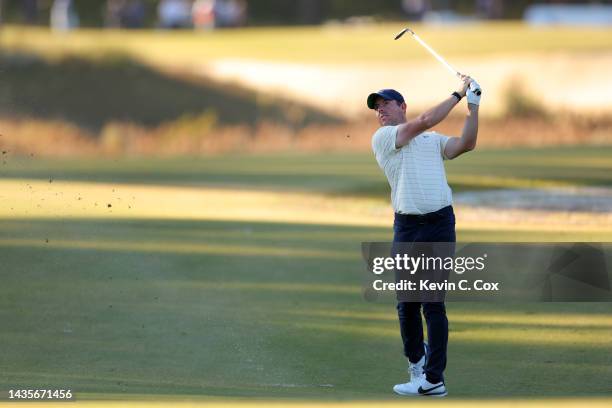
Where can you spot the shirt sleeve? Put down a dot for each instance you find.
(442, 139)
(383, 144)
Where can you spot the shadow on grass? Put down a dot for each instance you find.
(122, 322)
(335, 174)
(92, 93)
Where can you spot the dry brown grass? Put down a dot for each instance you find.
(45, 138)
(196, 135)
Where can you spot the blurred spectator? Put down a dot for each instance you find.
(133, 14)
(63, 15)
(592, 14)
(29, 8)
(309, 11)
(124, 14)
(415, 9)
(208, 14)
(174, 13)
(112, 16)
(230, 13)
(490, 9)
(203, 13)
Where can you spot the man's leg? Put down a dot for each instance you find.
(409, 313)
(435, 312)
(411, 329)
(437, 336)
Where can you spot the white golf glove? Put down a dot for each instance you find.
(471, 95)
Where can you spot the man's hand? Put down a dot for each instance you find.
(408, 130)
(465, 83)
(472, 98)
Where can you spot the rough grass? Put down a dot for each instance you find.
(196, 135)
(116, 89)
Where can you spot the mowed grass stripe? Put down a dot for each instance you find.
(176, 248)
(545, 319)
(329, 173)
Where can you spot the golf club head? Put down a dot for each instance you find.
(401, 33)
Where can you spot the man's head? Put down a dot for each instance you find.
(389, 105)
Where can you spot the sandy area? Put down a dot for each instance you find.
(574, 199)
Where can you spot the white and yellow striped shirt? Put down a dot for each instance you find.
(415, 172)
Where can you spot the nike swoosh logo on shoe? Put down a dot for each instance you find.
(427, 391)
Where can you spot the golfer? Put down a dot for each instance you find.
(412, 159)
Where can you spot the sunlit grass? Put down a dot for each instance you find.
(175, 248)
(330, 172)
(31, 198)
(574, 338)
(118, 316)
(35, 198)
(310, 44)
(542, 319)
(567, 329)
(245, 293)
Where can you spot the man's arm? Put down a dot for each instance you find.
(456, 146)
(407, 131)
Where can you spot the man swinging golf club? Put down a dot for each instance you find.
(412, 159)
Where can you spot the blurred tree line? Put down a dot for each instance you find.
(279, 12)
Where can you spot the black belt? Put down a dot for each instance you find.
(426, 218)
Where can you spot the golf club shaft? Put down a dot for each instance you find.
(437, 56)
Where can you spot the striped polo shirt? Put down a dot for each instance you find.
(415, 172)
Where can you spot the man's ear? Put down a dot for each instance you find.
(404, 106)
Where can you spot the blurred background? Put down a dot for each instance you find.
(185, 185)
(184, 77)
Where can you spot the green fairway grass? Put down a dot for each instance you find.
(249, 310)
(333, 44)
(162, 320)
(330, 173)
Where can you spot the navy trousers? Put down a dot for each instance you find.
(438, 226)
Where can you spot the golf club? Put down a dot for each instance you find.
(474, 89)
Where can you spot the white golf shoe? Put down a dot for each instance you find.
(421, 387)
(418, 384)
(417, 373)
(428, 389)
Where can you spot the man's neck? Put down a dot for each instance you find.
(398, 122)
